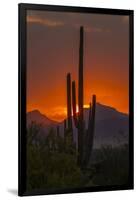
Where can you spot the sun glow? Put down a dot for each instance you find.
(77, 109)
(58, 113)
(86, 106)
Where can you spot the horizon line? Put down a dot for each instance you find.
(86, 107)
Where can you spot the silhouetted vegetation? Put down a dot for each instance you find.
(52, 163)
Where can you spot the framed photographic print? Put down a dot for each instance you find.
(75, 99)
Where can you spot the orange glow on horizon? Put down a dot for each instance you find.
(53, 51)
(110, 92)
(60, 113)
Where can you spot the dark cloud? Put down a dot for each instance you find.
(95, 22)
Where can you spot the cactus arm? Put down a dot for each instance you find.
(69, 116)
(74, 104)
(89, 118)
(92, 125)
(90, 131)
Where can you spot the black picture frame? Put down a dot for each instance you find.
(22, 8)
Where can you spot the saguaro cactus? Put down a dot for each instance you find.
(80, 98)
(75, 115)
(68, 129)
(85, 137)
(69, 111)
(90, 132)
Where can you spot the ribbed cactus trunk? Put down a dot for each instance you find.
(69, 116)
(80, 99)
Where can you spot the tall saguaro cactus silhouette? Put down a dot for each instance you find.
(68, 129)
(69, 116)
(90, 132)
(85, 136)
(80, 98)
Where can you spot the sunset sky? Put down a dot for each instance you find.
(52, 52)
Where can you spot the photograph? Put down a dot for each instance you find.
(77, 101)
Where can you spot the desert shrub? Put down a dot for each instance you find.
(113, 167)
(48, 166)
(52, 163)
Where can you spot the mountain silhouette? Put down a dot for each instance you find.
(111, 126)
(36, 116)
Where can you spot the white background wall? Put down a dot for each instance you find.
(9, 98)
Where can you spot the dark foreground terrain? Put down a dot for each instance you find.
(52, 163)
